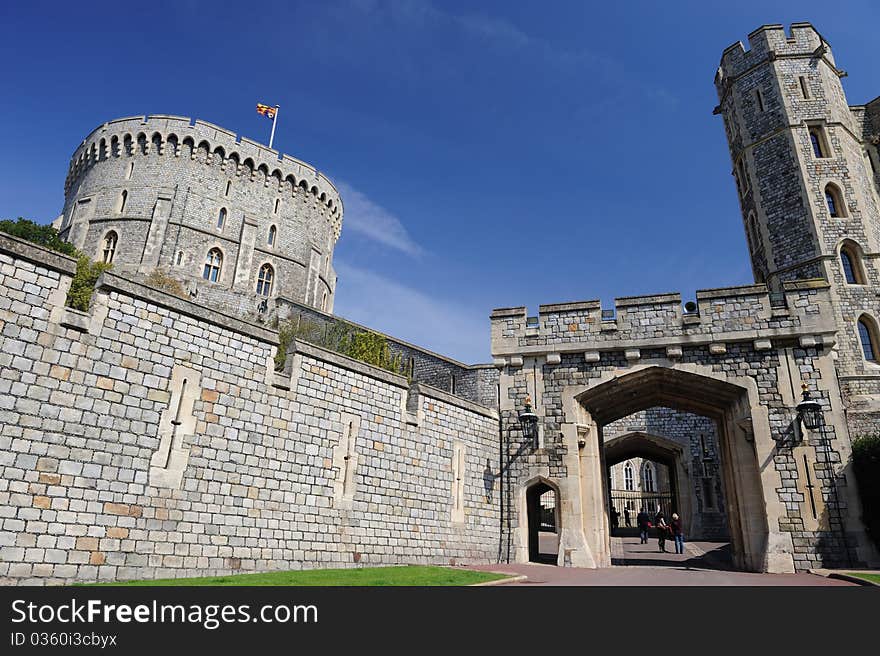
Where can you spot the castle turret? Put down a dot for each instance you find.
(234, 221)
(805, 170)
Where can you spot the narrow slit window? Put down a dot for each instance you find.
(228, 187)
(273, 233)
(277, 203)
(819, 142)
(123, 199)
(221, 218)
(130, 171)
(804, 90)
(760, 98)
(179, 259)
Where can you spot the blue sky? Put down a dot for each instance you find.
(489, 154)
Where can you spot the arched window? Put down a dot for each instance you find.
(834, 200)
(273, 232)
(628, 477)
(852, 269)
(123, 199)
(264, 281)
(648, 478)
(324, 302)
(221, 218)
(213, 264)
(868, 337)
(109, 249)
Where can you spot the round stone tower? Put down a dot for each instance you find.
(237, 223)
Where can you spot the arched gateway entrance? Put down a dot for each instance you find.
(746, 461)
(724, 402)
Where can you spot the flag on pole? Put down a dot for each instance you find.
(265, 110)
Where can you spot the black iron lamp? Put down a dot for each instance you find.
(528, 421)
(809, 411)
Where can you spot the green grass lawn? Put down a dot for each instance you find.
(873, 578)
(408, 575)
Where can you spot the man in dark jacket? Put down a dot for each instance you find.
(642, 523)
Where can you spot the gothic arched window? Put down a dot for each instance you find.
(273, 232)
(868, 337)
(213, 264)
(264, 281)
(834, 200)
(221, 218)
(851, 263)
(648, 477)
(628, 477)
(109, 249)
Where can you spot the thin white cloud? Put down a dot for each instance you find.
(411, 315)
(375, 223)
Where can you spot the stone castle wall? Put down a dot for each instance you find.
(177, 176)
(152, 438)
(477, 383)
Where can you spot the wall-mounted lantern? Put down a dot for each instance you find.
(809, 411)
(528, 421)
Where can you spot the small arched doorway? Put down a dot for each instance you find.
(542, 503)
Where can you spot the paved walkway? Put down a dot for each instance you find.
(703, 563)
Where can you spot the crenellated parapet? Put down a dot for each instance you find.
(719, 316)
(183, 136)
(770, 42)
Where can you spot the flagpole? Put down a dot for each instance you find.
(274, 118)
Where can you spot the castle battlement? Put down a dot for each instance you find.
(743, 313)
(769, 41)
(160, 132)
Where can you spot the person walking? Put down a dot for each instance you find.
(677, 533)
(662, 528)
(615, 518)
(642, 523)
(626, 518)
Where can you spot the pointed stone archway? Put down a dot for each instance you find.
(743, 431)
(660, 450)
(542, 548)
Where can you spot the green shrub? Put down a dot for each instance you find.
(866, 465)
(42, 235)
(338, 336)
(165, 282)
(83, 283)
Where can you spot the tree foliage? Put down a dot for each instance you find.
(42, 235)
(866, 465)
(82, 285)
